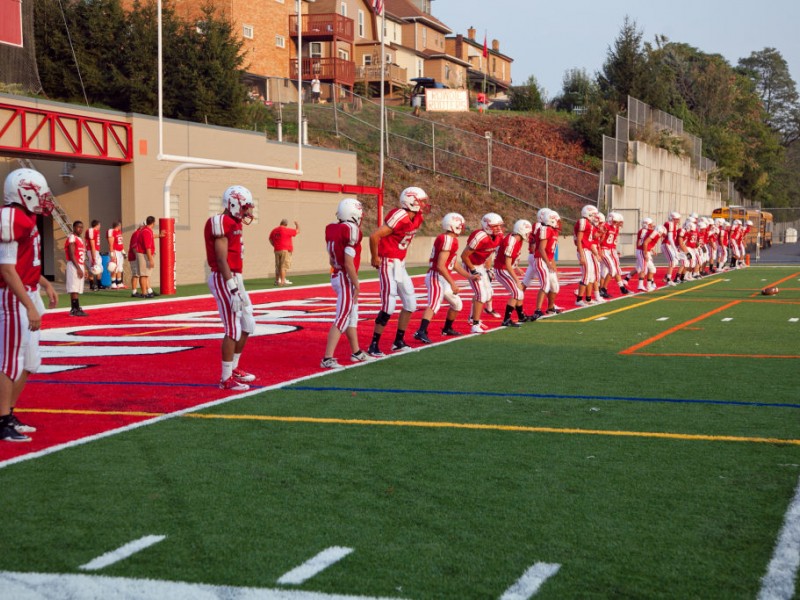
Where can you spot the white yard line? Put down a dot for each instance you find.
(530, 582)
(778, 583)
(121, 553)
(315, 565)
(47, 586)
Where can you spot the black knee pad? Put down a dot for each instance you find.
(382, 318)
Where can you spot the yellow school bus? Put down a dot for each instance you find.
(762, 224)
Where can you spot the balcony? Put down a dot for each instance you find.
(391, 73)
(333, 70)
(324, 27)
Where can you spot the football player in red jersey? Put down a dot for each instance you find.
(388, 246)
(609, 255)
(439, 280)
(506, 271)
(225, 252)
(93, 261)
(343, 240)
(481, 244)
(544, 253)
(116, 255)
(25, 195)
(583, 236)
(75, 253)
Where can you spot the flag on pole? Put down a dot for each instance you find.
(378, 6)
(485, 47)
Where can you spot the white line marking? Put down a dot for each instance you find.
(46, 586)
(726, 319)
(778, 583)
(601, 319)
(794, 320)
(315, 565)
(121, 553)
(663, 319)
(530, 582)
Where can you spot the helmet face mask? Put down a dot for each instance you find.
(492, 224)
(238, 201)
(29, 189)
(414, 199)
(350, 210)
(453, 223)
(552, 219)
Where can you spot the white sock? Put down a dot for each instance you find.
(227, 370)
(235, 362)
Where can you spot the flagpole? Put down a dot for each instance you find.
(383, 99)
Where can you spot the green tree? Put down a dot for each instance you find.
(623, 72)
(527, 97)
(777, 90)
(576, 90)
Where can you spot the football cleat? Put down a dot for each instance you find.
(401, 346)
(360, 356)
(450, 332)
(492, 313)
(243, 376)
(19, 425)
(10, 434)
(232, 385)
(510, 323)
(330, 363)
(554, 311)
(477, 328)
(537, 314)
(422, 337)
(623, 289)
(374, 351)
(580, 302)
(78, 312)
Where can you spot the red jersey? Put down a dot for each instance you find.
(117, 243)
(281, 238)
(691, 239)
(610, 237)
(550, 235)
(133, 244)
(724, 236)
(646, 239)
(447, 245)
(672, 232)
(16, 225)
(482, 246)
(339, 237)
(80, 250)
(92, 235)
(585, 232)
(533, 241)
(510, 247)
(404, 226)
(225, 226)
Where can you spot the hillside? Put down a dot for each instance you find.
(548, 135)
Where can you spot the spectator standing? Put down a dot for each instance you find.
(75, 253)
(134, 263)
(282, 242)
(315, 90)
(145, 256)
(25, 196)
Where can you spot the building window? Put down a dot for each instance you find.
(280, 41)
(447, 72)
(361, 23)
(367, 60)
(247, 32)
(315, 49)
(344, 54)
(424, 37)
(419, 68)
(343, 9)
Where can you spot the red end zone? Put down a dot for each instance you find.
(127, 363)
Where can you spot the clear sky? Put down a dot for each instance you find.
(546, 39)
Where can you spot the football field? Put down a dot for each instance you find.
(648, 447)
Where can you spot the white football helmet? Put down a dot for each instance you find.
(749, 223)
(647, 223)
(112, 266)
(523, 228)
(541, 216)
(413, 199)
(453, 222)
(552, 219)
(96, 269)
(28, 188)
(661, 230)
(693, 216)
(238, 201)
(350, 210)
(689, 226)
(719, 222)
(492, 223)
(588, 210)
(675, 215)
(737, 223)
(598, 218)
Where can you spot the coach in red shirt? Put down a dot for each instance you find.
(281, 240)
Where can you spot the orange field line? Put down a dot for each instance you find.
(774, 283)
(678, 327)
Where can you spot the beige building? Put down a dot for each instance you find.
(495, 68)
(131, 191)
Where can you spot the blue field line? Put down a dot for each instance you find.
(306, 388)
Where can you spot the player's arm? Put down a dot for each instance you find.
(350, 269)
(466, 258)
(441, 268)
(73, 257)
(8, 271)
(374, 239)
(52, 295)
